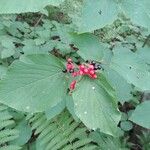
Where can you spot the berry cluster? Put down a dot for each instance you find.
(88, 69)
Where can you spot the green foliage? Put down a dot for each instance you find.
(32, 79)
(133, 68)
(7, 132)
(108, 142)
(123, 89)
(96, 106)
(144, 140)
(137, 11)
(141, 115)
(9, 7)
(33, 52)
(100, 12)
(87, 44)
(62, 132)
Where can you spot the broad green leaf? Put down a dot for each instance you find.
(89, 46)
(144, 53)
(56, 110)
(7, 46)
(107, 142)
(141, 115)
(133, 69)
(70, 107)
(96, 106)
(7, 53)
(95, 14)
(17, 6)
(25, 133)
(32, 83)
(138, 11)
(126, 125)
(123, 89)
(3, 71)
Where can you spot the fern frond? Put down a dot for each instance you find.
(144, 140)
(61, 133)
(7, 133)
(108, 142)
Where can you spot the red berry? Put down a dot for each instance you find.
(85, 70)
(81, 72)
(92, 72)
(94, 76)
(74, 74)
(91, 67)
(70, 67)
(73, 84)
(81, 67)
(69, 60)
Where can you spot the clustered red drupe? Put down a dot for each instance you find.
(89, 69)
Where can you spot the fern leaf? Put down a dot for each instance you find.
(61, 132)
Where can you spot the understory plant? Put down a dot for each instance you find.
(74, 74)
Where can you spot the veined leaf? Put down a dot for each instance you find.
(95, 14)
(31, 84)
(131, 68)
(141, 115)
(89, 46)
(138, 11)
(17, 6)
(24, 133)
(123, 89)
(144, 54)
(96, 106)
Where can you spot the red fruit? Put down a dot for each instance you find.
(94, 76)
(86, 70)
(91, 67)
(81, 67)
(69, 60)
(73, 84)
(74, 74)
(92, 72)
(81, 72)
(70, 67)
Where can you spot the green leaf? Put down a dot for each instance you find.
(8, 48)
(96, 106)
(133, 69)
(32, 83)
(144, 54)
(141, 115)
(89, 46)
(17, 6)
(25, 133)
(52, 112)
(123, 89)
(95, 14)
(126, 125)
(138, 11)
(70, 107)
(7, 53)
(3, 71)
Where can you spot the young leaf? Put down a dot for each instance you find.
(123, 89)
(52, 112)
(138, 11)
(9, 6)
(126, 125)
(95, 106)
(31, 84)
(89, 46)
(141, 115)
(25, 133)
(131, 67)
(95, 14)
